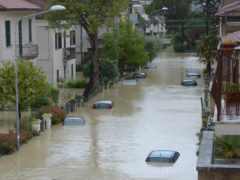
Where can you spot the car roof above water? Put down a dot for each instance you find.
(103, 102)
(74, 120)
(162, 153)
(189, 80)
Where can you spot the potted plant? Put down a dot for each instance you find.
(231, 93)
(228, 44)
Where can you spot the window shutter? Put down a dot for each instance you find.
(8, 33)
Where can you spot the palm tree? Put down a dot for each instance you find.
(205, 46)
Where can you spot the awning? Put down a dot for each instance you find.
(235, 36)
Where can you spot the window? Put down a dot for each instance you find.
(57, 75)
(72, 38)
(20, 37)
(8, 33)
(30, 30)
(64, 37)
(72, 71)
(58, 41)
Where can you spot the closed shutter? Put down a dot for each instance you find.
(8, 33)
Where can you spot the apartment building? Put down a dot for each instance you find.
(229, 13)
(25, 37)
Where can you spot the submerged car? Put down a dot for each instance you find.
(192, 73)
(139, 75)
(130, 81)
(105, 104)
(163, 156)
(189, 82)
(74, 120)
(150, 67)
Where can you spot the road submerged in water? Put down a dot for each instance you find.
(156, 114)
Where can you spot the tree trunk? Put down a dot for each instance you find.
(121, 65)
(94, 79)
(209, 68)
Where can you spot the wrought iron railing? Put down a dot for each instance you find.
(69, 53)
(28, 51)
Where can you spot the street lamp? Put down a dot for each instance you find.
(164, 9)
(205, 5)
(53, 8)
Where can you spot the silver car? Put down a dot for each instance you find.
(74, 120)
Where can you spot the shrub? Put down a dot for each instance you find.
(177, 42)
(26, 124)
(54, 94)
(39, 102)
(77, 84)
(227, 146)
(58, 113)
(8, 141)
(79, 68)
(41, 111)
(179, 48)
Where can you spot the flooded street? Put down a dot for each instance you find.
(157, 113)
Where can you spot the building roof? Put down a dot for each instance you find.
(41, 3)
(229, 10)
(8, 5)
(235, 36)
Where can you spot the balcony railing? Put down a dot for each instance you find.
(69, 53)
(28, 51)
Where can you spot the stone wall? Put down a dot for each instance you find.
(231, 127)
(205, 167)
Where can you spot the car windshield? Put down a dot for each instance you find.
(164, 154)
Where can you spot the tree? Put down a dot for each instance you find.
(31, 83)
(90, 14)
(206, 44)
(210, 8)
(177, 44)
(130, 47)
(177, 10)
(108, 71)
(152, 46)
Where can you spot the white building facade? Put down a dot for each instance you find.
(57, 55)
(25, 31)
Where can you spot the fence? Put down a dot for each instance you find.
(73, 104)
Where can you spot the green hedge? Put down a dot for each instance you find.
(76, 84)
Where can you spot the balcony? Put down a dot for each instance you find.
(28, 51)
(69, 53)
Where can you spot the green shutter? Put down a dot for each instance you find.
(8, 33)
(20, 37)
(30, 30)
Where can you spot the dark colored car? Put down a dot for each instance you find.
(103, 104)
(74, 120)
(189, 82)
(150, 67)
(163, 156)
(139, 75)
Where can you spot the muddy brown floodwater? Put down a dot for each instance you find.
(157, 113)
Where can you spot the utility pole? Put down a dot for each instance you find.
(206, 4)
(117, 39)
(182, 32)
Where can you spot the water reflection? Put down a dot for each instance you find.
(157, 113)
